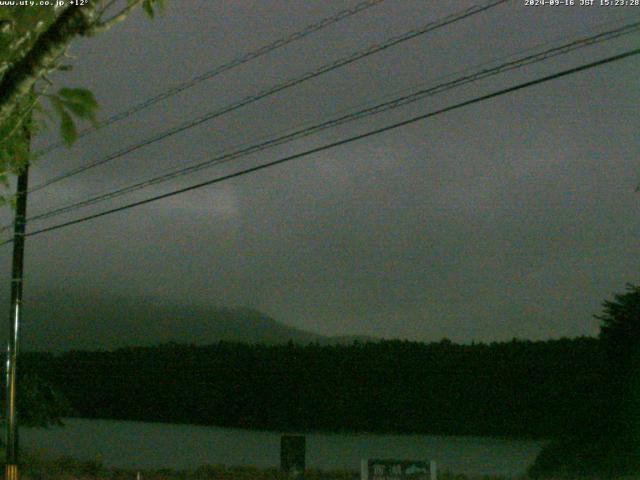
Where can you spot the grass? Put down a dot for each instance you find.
(71, 469)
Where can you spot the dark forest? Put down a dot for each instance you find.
(518, 388)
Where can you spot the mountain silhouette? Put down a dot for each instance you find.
(59, 323)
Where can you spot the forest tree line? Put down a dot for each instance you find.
(539, 389)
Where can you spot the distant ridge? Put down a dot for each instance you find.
(61, 324)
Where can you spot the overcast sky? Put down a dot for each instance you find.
(515, 217)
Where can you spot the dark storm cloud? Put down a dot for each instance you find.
(514, 217)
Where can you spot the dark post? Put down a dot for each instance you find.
(292, 455)
(11, 467)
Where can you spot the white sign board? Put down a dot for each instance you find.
(387, 469)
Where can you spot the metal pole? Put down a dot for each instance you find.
(11, 467)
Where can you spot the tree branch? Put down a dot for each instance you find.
(23, 117)
(22, 76)
(100, 27)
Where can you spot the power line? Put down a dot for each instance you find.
(350, 117)
(372, 49)
(247, 57)
(344, 141)
(382, 107)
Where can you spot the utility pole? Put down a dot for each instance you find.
(11, 466)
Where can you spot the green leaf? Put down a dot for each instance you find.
(68, 129)
(57, 104)
(80, 95)
(147, 6)
(5, 157)
(80, 102)
(77, 101)
(80, 110)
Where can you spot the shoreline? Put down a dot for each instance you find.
(67, 468)
(502, 437)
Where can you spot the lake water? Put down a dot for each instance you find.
(159, 445)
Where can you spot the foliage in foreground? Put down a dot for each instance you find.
(587, 456)
(606, 440)
(39, 403)
(34, 40)
(70, 469)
